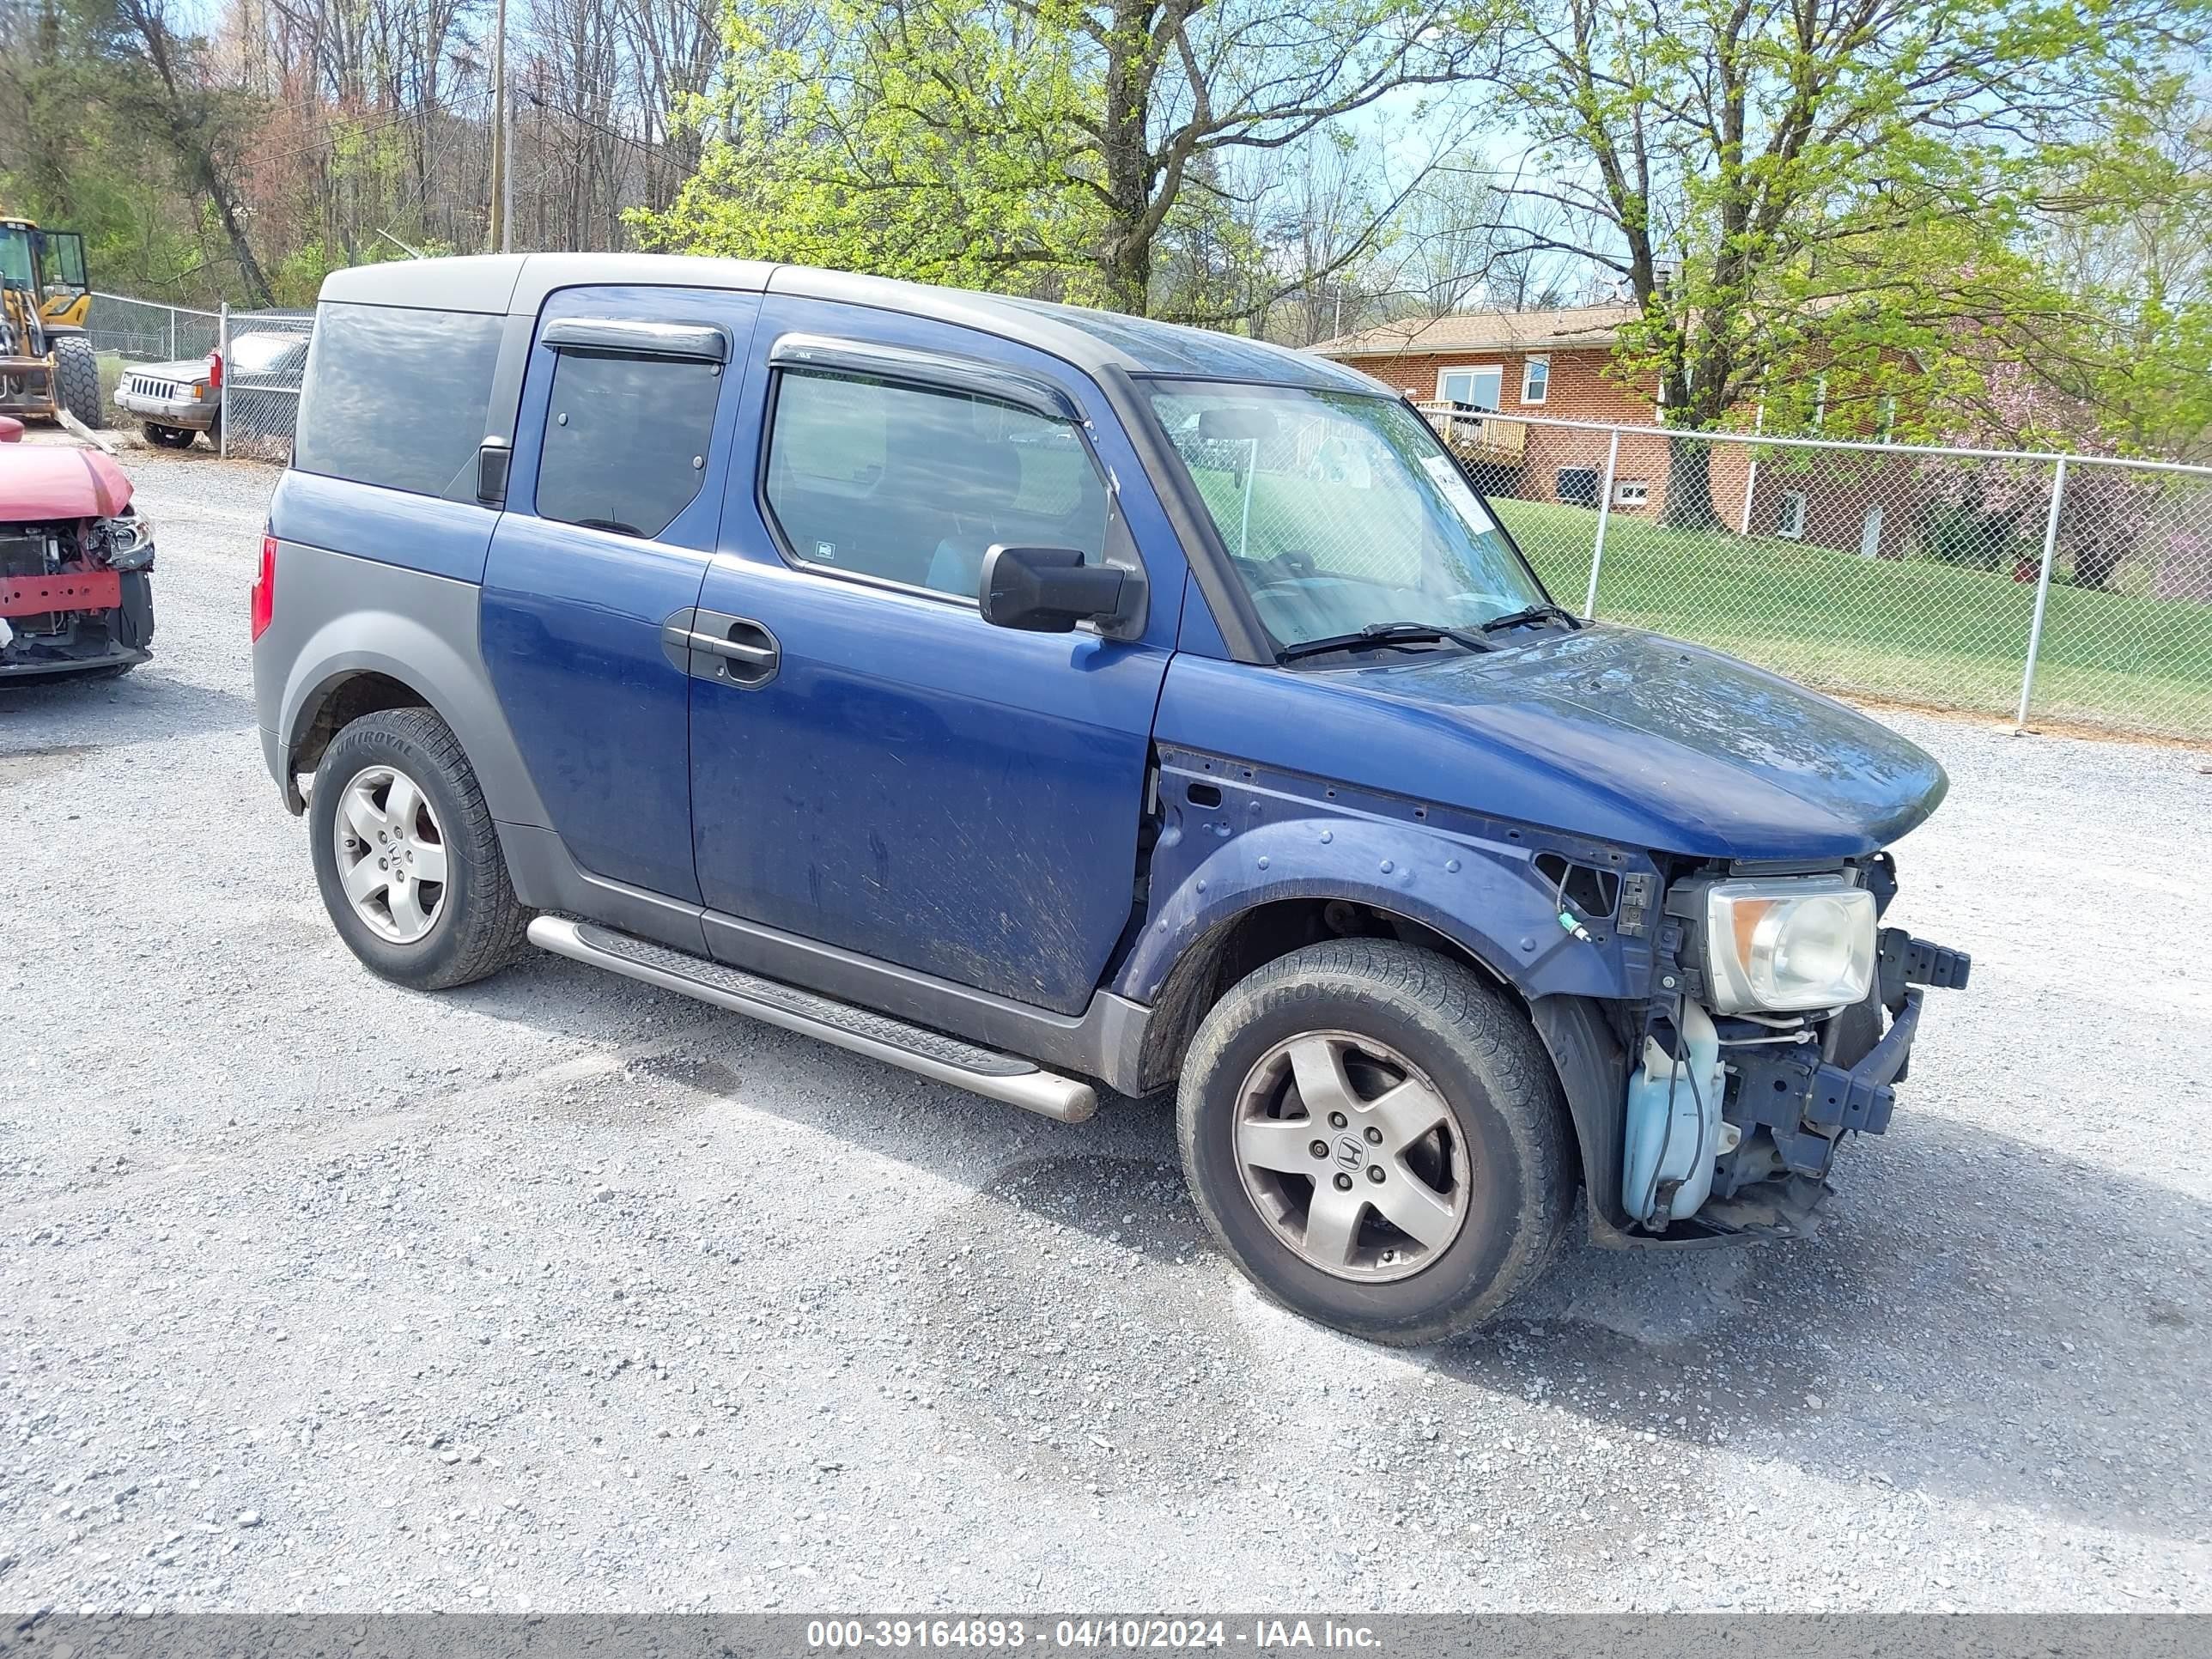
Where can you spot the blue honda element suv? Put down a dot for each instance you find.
(1036, 698)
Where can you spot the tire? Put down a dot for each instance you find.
(1497, 1157)
(474, 922)
(170, 437)
(76, 379)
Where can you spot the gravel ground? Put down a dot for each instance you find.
(560, 1292)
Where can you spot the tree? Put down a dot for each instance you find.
(2135, 264)
(160, 78)
(1781, 182)
(1051, 145)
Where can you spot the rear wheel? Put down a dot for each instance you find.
(407, 856)
(1376, 1138)
(170, 437)
(76, 379)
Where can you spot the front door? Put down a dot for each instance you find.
(874, 767)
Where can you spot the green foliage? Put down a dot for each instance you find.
(1075, 150)
(1814, 182)
(926, 144)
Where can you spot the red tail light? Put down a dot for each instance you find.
(265, 587)
(215, 370)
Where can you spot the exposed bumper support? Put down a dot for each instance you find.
(1807, 1103)
(72, 590)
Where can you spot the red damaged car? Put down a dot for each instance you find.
(77, 563)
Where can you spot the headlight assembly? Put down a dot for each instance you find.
(1788, 943)
(130, 542)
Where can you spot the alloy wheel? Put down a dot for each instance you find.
(391, 855)
(1351, 1156)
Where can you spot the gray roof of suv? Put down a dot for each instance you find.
(519, 282)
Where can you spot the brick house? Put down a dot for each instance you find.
(1559, 364)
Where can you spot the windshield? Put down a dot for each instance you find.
(1341, 512)
(257, 354)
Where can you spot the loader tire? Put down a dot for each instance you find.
(76, 379)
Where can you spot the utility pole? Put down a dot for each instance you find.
(502, 193)
(505, 145)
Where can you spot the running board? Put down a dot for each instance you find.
(930, 1054)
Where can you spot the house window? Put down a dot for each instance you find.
(1870, 534)
(1535, 380)
(1793, 515)
(1632, 492)
(1820, 402)
(1886, 417)
(1478, 387)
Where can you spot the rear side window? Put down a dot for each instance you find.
(913, 485)
(625, 441)
(397, 397)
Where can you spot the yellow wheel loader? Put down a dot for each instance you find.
(47, 364)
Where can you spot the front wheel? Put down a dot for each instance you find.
(170, 437)
(407, 856)
(1376, 1138)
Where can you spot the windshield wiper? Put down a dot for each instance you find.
(1386, 633)
(1532, 613)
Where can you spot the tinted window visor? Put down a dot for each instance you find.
(397, 397)
(1342, 514)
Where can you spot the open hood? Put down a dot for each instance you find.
(43, 482)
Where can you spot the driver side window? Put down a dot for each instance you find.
(913, 485)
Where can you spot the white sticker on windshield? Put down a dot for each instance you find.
(1448, 479)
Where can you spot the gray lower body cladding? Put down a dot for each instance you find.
(336, 616)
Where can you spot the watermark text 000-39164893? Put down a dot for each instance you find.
(1097, 1632)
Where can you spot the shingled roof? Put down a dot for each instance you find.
(1485, 330)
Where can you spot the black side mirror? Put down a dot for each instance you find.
(493, 458)
(1048, 590)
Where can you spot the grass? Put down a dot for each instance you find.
(1911, 631)
(112, 369)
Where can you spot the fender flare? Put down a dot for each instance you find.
(1477, 895)
(1443, 882)
(451, 686)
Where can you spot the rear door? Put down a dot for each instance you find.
(613, 500)
(877, 767)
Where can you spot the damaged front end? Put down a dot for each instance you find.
(75, 594)
(1782, 1017)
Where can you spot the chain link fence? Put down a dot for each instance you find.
(264, 360)
(147, 332)
(2068, 589)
